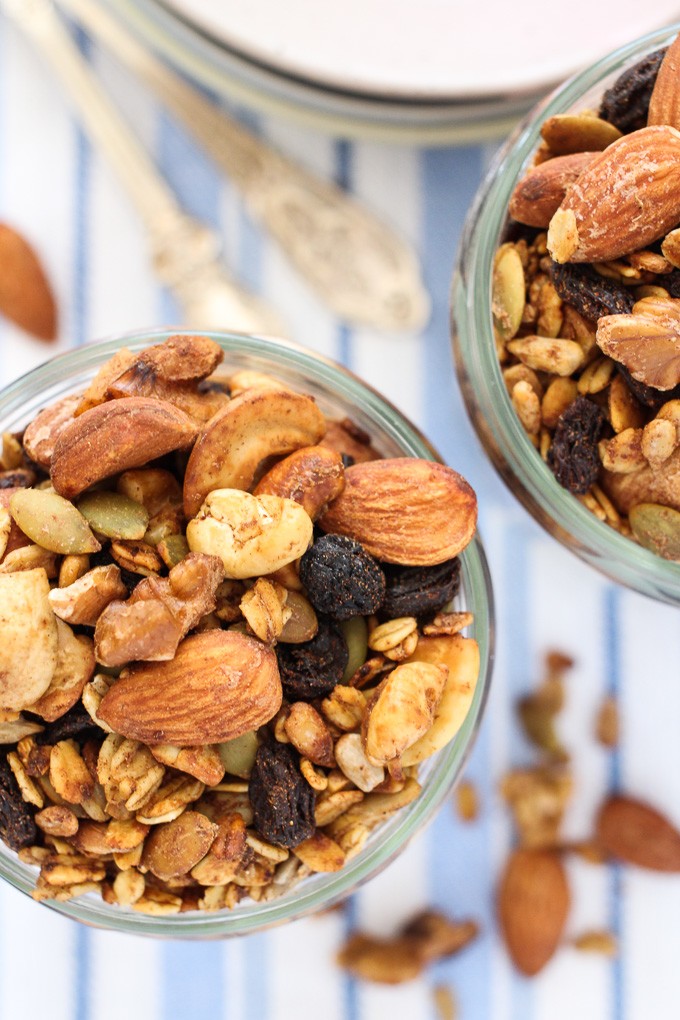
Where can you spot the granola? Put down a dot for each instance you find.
(234, 672)
(586, 303)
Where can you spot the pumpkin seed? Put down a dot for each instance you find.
(302, 623)
(657, 528)
(356, 636)
(578, 132)
(508, 292)
(238, 755)
(52, 522)
(114, 515)
(173, 549)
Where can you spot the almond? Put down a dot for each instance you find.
(405, 510)
(533, 903)
(541, 191)
(664, 105)
(25, 294)
(219, 685)
(42, 433)
(255, 425)
(113, 437)
(637, 833)
(627, 198)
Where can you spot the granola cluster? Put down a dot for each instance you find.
(586, 303)
(227, 640)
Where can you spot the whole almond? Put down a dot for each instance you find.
(405, 510)
(664, 105)
(627, 198)
(25, 294)
(541, 191)
(637, 833)
(113, 437)
(533, 903)
(219, 685)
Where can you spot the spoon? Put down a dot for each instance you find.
(357, 265)
(184, 252)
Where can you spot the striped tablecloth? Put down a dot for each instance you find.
(63, 197)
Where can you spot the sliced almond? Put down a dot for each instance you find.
(74, 668)
(29, 648)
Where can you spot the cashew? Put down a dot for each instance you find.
(252, 535)
(351, 758)
(255, 425)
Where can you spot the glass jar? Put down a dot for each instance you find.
(479, 373)
(339, 394)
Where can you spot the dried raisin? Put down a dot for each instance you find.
(589, 293)
(281, 798)
(341, 578)
(312, 669)
(626, 103)
(17, 828)
(573, 456)
(72, 724)
(414, 591)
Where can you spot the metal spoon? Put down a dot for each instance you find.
(184, 251)
(358, 265)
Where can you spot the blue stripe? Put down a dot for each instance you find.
(350, 987)
(448, 181)
(193, 981)
(83, 947)
(256, 978)
(612, 630)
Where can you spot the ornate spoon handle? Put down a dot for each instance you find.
(185, 252)
(358, 265)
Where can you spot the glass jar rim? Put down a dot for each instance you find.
(480, 375)
(315, 892)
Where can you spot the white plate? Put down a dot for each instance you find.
(427, 50)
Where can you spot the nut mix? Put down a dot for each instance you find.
(227, 640)
(586, 303)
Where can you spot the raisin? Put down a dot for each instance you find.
(573, 456)
(72, 724)
(414, 591)
(646, 395)
(17, 828)
(341, 578)
(281, 798)
(20, 478)
(312, 669)
(626, 103)
(589, 293)
(671, 283)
